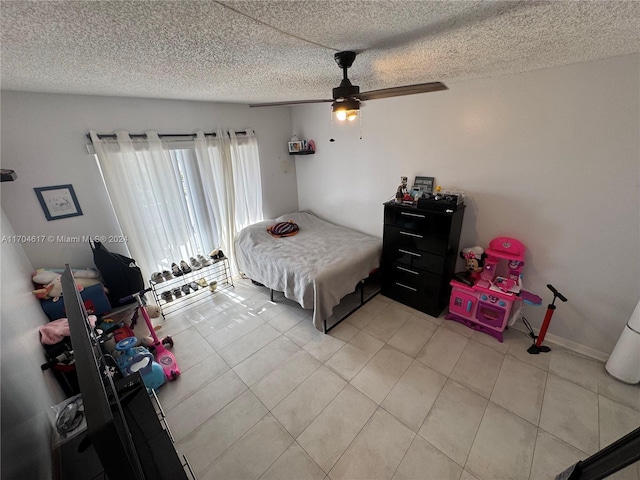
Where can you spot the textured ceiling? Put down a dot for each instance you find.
(265, 51)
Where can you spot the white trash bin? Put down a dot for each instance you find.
(624, 361)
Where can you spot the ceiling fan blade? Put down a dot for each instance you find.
(293, 102)
(399, 91)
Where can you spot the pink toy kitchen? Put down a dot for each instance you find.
(493, 297)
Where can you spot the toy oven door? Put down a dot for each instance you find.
(491, 315)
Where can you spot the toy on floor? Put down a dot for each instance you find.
(537, 347)
(127, 321)
(494, 296)
(163, 356)
(139, 359)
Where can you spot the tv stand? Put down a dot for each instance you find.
(149, 432)
(72, 461)
(128, 433)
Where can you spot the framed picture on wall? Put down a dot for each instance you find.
(58, 202)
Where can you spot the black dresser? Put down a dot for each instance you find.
(419, 253)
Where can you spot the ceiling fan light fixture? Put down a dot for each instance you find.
(346, 109)
(347, 98)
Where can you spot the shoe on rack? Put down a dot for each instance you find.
(177, 292)
(202, 282)
(213, 285)
(156, 277)
(217, 255)
(184, 266)
(166, 274)
(195, 264)
(166, 296)
(203, 261)
(186, 290)
(175, 269)
(194, 286)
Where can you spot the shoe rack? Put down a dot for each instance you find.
(219, 271)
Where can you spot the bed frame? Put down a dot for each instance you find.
(317, 268)
(360, 287)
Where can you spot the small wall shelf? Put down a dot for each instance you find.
(303, 152)
(301, 147)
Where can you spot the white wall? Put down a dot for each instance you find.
(43, 140)
(27, 392)
(550, 157)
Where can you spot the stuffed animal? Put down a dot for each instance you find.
(53, 290)
(44, 276)
(473, 259)
(153, 311)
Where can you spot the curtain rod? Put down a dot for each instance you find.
(160, 135)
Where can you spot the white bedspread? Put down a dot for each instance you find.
(316, 268)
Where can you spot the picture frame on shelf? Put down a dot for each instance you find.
(58, 202)
(295, 147)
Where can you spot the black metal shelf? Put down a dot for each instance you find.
(219, 271)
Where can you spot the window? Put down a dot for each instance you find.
(175, 200)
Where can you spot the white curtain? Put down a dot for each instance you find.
(246, 173)
(213, 161)
(176, 202)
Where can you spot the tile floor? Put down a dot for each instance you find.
(391, 393)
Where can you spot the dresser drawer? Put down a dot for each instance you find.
(416, 241)
(425, 302)
(413, 259)
(418, 220)
(413, 279)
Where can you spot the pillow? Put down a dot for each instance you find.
(283, 229)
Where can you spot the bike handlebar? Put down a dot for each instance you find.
(132, 296)
(556, 293)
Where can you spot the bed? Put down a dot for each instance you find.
(316, 267)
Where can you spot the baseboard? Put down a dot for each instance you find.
(568, 344)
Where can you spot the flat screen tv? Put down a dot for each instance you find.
(107, 428)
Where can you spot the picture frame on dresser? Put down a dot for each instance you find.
(424, 184)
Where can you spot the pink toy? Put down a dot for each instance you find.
(496, 295)
(164, 357)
